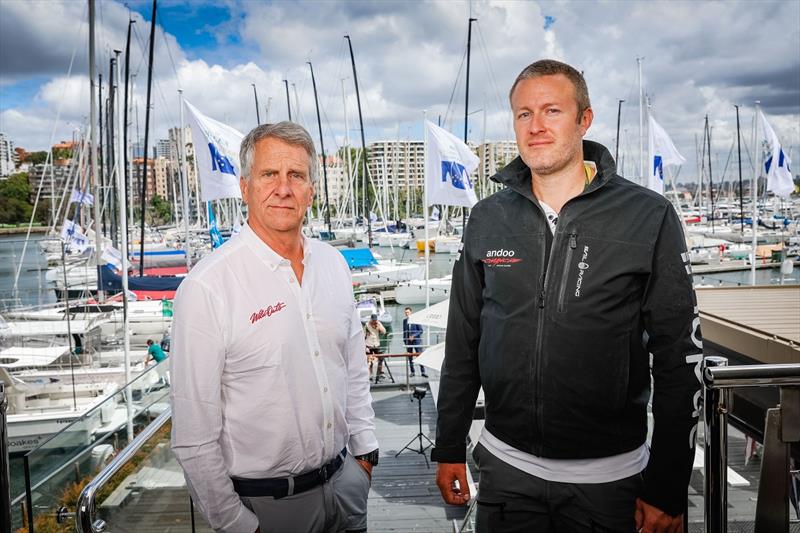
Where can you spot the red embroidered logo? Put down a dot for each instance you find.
(497, 261)
(269, 311)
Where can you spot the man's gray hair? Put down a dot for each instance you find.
(288, 132)
(551, 67)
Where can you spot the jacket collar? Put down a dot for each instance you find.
(517, 176)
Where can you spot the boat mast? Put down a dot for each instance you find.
(754, 193)
(93, 155)
(143, 202)
(616, 145)
(123, 218)
(110, 149)
(710, 176)
(364, 178)
(466, 111)
(288, 103)
(322, 149)
(184, 185)
(347, 160)
(258, 114)
(641, 124)
(741, 197)
(124, 125)
(101, 160)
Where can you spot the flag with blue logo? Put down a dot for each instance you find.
(448, 164)
(216, 237)
(216, 154)
(81, 197)
(776, 162)
(662, 152)
(73, 237)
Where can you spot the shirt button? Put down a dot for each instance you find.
(308, 316)
(329, 425)
(316, 353)
(325, 389)
(291, 280)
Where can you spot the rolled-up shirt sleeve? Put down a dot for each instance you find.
(359, 413)
(196, 364)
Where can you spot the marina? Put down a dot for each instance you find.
(127, 164)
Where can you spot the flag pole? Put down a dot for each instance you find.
(184, 185)
(754, 193)
(425, 219)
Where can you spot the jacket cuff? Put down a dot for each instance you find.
(663, 493)
(449, 454)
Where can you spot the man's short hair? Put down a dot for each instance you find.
(551, 67)
(288, 132)
(407, 309)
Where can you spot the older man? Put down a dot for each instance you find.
(571, 280)
(272, 416)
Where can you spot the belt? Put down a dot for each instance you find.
(286, 486)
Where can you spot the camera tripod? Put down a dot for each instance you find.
(419, 436)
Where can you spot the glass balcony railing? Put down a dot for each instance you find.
(57, 470)
(142, 489)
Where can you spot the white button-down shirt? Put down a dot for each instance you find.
(268, 375)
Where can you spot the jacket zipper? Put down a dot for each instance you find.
(537, 361)
(562, 301)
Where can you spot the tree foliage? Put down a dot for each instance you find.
(15, 192)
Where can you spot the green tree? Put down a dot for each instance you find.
(161, 211)
(37, 158)
(15, 207)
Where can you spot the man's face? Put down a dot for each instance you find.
(407, 312)
(279, 189)
(548, 134)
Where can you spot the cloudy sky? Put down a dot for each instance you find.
(699, 58)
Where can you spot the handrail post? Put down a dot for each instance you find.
(5, 471)
(715, 406)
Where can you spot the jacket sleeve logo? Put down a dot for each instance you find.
(501, 258)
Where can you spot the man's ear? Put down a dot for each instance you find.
(243, 189)
(586, 120)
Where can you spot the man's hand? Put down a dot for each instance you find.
(446, 475)
(366, 466)
(650, 519)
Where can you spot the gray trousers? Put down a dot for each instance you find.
(340, 505)
(512, 501)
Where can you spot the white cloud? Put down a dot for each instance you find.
(408, 55)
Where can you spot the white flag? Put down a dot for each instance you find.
(73, 236)
(216, 153)
(81, 197)
(779, 176)
(448, 165)
(662, 152)
(113, 257)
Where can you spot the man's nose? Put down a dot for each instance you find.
(536, 124)
(283, 185)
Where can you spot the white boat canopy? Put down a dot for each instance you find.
(43, 328)
(24, 357)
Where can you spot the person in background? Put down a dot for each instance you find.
(572, 292)
(372, 339)
(272, 417)
(154, 352)
(412, 338)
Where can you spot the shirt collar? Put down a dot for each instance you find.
(269, 256)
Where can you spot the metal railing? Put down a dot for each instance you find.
(782, 428)
(84, 516)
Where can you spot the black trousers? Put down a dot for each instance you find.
(512, 501)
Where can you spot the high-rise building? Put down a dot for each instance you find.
(396, 164)
(163, 173)
(494, 155)
(7, 163)
(164, 148)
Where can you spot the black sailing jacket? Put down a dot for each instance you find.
(558, 328)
